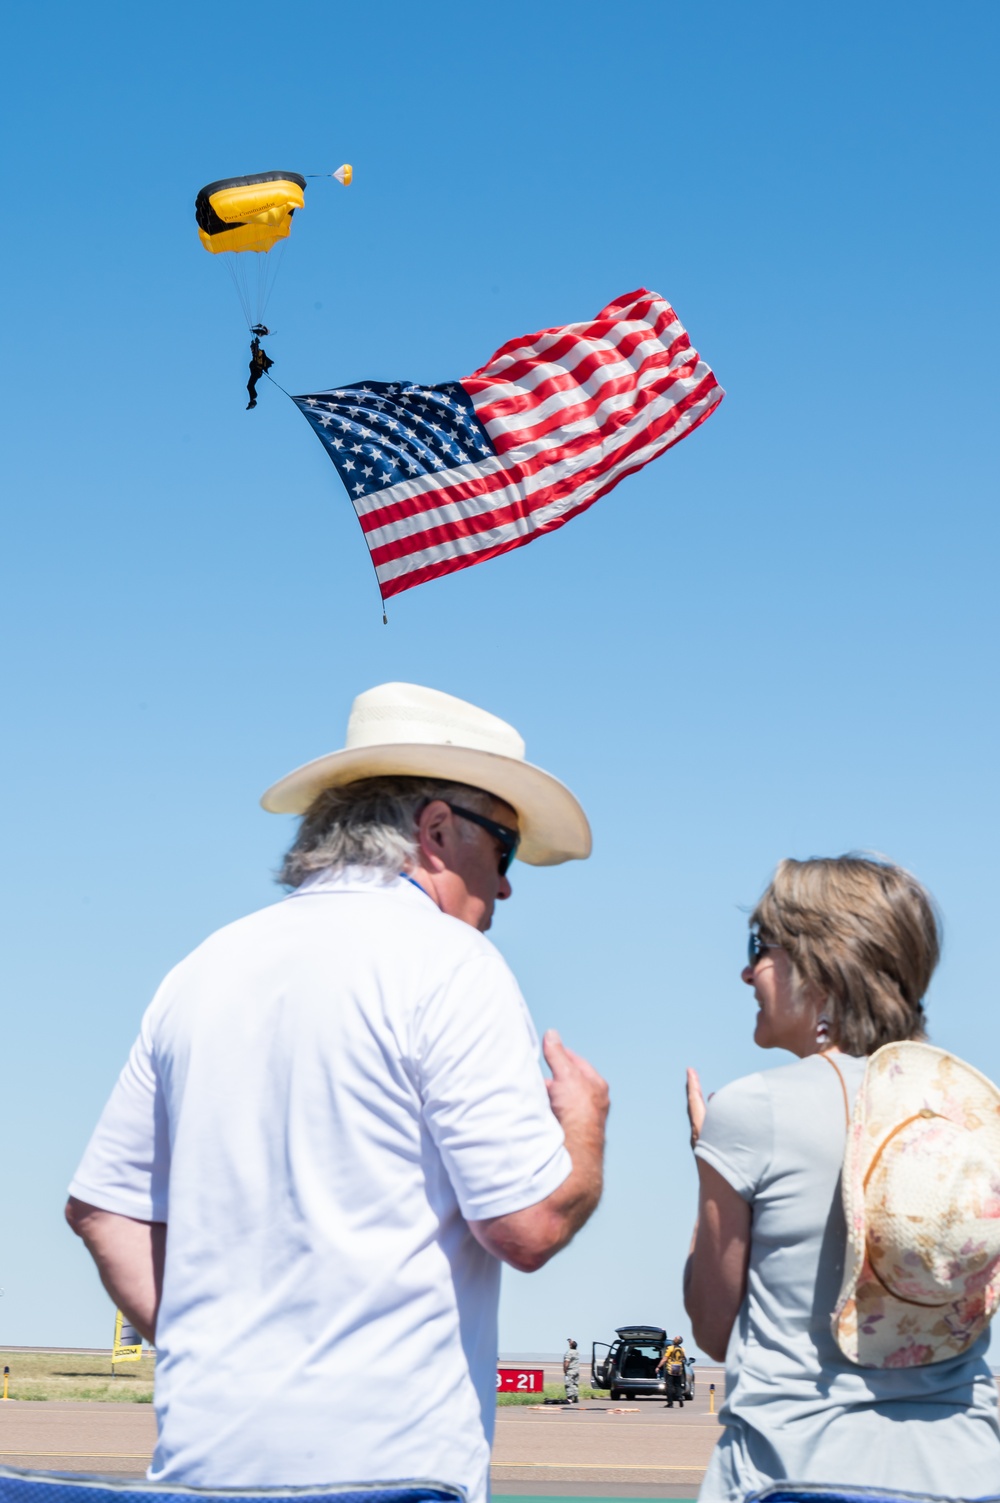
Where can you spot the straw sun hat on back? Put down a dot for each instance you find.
(406, 730)
(921, 1192)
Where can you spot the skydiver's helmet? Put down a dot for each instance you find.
(678, 1341)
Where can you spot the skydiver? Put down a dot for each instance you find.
(260, 364)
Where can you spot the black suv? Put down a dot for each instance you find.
(629, 1366)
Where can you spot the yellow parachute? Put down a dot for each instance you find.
(248, 213)
(238, 214)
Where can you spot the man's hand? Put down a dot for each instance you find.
(577, 1094)
(579, 1098)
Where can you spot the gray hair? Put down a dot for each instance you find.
(371, 823)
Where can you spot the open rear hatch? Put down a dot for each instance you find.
(642, 1333)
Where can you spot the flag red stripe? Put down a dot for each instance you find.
(636, 306)
(589, 360)
(522, 508)
(424, 572)
(589, 407)
(480, 485)
(557, 406)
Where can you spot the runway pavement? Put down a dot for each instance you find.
(592, 1451)
(636, 1449)
(61, 1437)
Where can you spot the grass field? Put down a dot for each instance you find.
(552, 1391)
(58, 1375)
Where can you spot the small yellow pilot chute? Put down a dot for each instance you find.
(344, 174)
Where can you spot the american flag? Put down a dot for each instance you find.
(445, 476)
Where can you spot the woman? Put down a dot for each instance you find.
(841, 953)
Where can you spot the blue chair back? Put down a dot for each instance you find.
(819, 1492)
(62, 1487)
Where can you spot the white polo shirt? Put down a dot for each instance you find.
(319, 1098)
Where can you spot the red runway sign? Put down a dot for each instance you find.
(520, 1380)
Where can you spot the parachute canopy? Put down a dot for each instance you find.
(248, 213)
(239, 214)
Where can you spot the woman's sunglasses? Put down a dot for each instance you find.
(508, 839)
(756, 947)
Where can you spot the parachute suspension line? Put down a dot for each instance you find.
(237, 276)
(254, 281)
(259, 272)
(277, 256)
(232, 277)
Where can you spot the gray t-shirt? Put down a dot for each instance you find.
(796, 1409)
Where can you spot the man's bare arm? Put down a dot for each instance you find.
(129, 1256)
(528, 1239)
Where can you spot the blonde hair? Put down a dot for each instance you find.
(864, 936)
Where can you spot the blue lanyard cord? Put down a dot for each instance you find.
(407, 878)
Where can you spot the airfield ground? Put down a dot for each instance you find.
(591, 1452)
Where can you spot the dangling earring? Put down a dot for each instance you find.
(822, 1030)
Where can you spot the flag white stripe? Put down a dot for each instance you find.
(423, 484)
(527, 381)
(615, 402)
(585, 331)
(405, 490)
(520, 526)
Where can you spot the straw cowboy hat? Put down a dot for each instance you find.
(403, 729)
(921, 1193)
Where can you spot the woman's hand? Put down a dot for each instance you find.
(695, 1105)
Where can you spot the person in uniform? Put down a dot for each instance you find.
(260, 364)
(571, 1373)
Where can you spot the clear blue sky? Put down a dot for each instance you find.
(780, 639)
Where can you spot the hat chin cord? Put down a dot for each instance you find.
(924, 1111)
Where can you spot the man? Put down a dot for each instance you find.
(333, 1125)
(673, 1362)
(571, 1373)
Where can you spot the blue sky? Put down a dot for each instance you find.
(780, 639)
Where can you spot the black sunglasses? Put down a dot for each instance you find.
(756, 947)
(508, 839)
